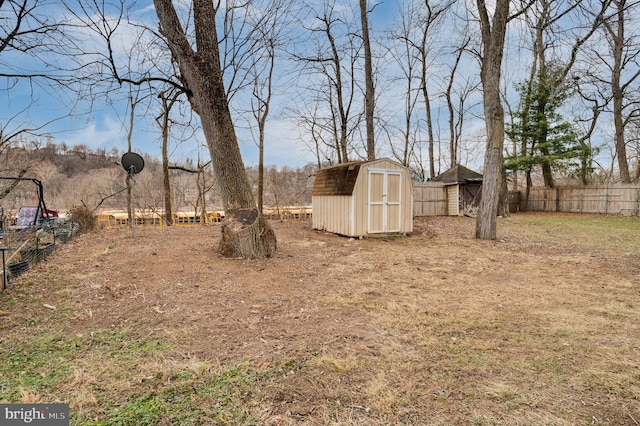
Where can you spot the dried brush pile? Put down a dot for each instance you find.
(85, 218)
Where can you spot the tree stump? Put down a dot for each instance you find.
(247, 234)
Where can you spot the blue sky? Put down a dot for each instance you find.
(105, 125)
(102, 125)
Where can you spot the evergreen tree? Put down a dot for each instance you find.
(544, 138)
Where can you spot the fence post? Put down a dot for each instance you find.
(606, 202)
(557, 200)
(581, 203)
(637, 201)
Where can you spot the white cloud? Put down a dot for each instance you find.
(103, 134)
(283, 146)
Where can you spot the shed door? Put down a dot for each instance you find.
(453, 200)
(384, 201)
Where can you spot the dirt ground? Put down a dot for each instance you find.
(434, 328)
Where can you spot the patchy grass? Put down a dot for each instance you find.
(596, 232)
(119, 378)
(541, 327)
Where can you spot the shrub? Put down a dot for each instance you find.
(85, 218)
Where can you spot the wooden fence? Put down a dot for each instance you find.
(430, 199)
(616, 199)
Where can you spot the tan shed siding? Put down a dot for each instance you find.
(453, 200)
(406, 205)
(360, 203)
(349, 215)
(332, 213)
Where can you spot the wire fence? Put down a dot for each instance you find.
(21, 249)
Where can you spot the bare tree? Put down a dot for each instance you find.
(168, 101)
(459, 98)
(26, 30)
(309, 120)
(589, 126)
(261, 103)
(624, 75)
(335, 60)
(402, 49)
(245, 232)
(433, 14)
(270, 31)
(493, 31)
(369, 93)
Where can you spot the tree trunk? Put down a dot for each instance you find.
(202, 74)
(202, 199)
(427, 104)
(369, 94)
(486, 223)
(166, 183)
(247, 231)
(493, 36)
(547, 173)
(432, 163)
(503, 204)
(528, 189)
(618, 93)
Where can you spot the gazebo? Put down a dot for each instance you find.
(464, 189)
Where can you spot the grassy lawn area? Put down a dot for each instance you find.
(541, 327)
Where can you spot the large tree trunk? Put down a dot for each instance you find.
(202, 74)
(369, 94)
(247, 231)
(547, 173)
(621, 146)
(493, 35)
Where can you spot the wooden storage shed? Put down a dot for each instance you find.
(464, 189)
(363, 198)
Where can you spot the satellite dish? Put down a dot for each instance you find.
(132, 163)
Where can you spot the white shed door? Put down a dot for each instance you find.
(384, 201)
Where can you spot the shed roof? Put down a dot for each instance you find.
(458, 174)
(336, 180)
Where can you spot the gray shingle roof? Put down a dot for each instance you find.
(458, 174)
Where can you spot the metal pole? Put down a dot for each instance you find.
(132, 206)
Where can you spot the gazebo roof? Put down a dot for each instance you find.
(458, 174)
